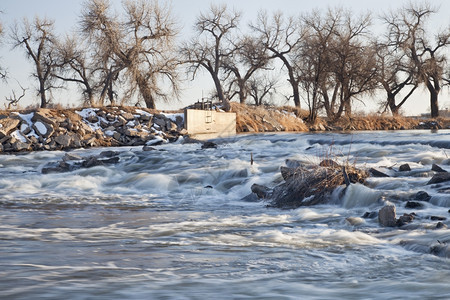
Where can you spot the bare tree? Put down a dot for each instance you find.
(38, 40)
(313, 58)
(281, 35)
(407, 32)
(352, 64)
(210, 48)
(447, 76)
(141, 44)
(76, 67)
(14, 99)
(395, 74)
(249, 55)
(2, 70)
(260, 87)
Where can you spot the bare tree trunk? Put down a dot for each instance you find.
(296, 94)
(434, 103)
(146, 92)
(42, 94)
(348, 108)
(391, 103)
(242, 91)
(219, 88)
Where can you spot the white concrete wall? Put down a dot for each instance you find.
(209, 124)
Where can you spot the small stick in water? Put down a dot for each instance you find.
(251, 158)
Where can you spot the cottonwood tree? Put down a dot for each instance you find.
(211, 47)
(396, 75)
(2, 70)
(138, 45)
(13, 100)
(260, 87)
(248, 56)
(313, 58)
(351, 63)
(408, 33)
(76, 67)
(447, 77)
(38, 40)
(281, 35)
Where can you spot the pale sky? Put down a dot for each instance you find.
(66, 14)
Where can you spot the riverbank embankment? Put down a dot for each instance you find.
(63, 129)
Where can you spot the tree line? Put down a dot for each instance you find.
(330, 57)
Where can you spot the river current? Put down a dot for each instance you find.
(171, 223)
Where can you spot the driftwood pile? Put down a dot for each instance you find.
(309, 185)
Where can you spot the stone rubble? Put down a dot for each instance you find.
(51, 129)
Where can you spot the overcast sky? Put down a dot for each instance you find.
(66, 14)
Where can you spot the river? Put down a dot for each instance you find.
(171, 223)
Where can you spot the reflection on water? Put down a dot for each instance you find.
(170, 224)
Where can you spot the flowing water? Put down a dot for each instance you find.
(170, 223)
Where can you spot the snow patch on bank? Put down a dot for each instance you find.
(173, 117)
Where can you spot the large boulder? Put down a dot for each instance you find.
(387, 216)
(7, 125)
(20, 146)
(63, 140)
(160, 120)
(43, 129)
(47, 116)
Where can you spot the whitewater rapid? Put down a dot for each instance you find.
(172, 223)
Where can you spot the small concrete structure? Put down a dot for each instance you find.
(209, 124)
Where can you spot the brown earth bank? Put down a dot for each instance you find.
(268, 119)
(62, 129)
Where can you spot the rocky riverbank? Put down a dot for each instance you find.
(51, 129)
(62, 129)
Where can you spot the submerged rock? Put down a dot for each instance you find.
(437, 218)
(414, 205)
(209, 145)
(440, 177)
(441, 225)
(376, 173)
(354, 221)
(72, 162)
(370, 215)
(148, 148)
(438, 169)
(405, 219)
(404, 168)
(422, 196)
(261, 191)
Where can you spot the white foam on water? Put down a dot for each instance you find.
(358, 195)
(159, 183)
(308, 214)
(442, 200)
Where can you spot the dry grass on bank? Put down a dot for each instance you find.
(261, 119)
(266, 119)
(376, 122)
